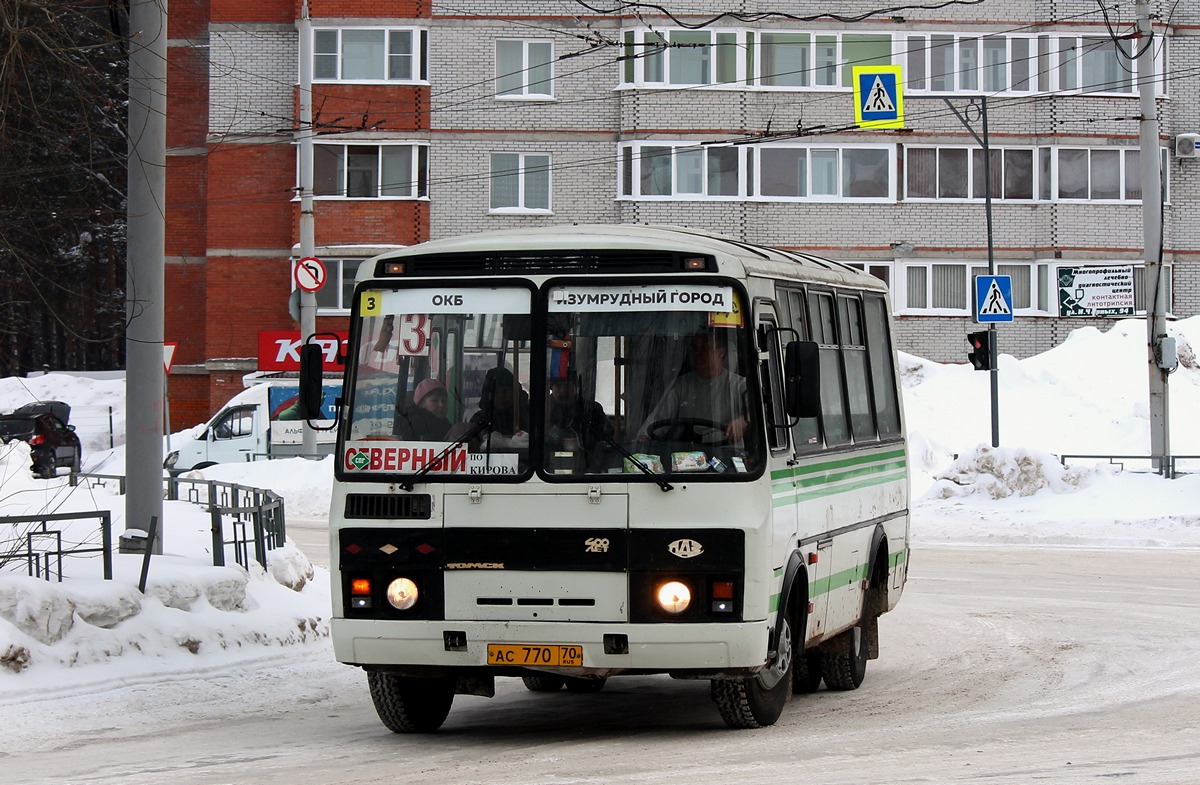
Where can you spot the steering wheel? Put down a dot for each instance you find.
(659, 430)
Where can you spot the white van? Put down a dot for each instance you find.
(256, 424)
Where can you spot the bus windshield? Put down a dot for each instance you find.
(436, 365)
(649, 379)
(643, 381)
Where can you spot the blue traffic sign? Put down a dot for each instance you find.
(993, 298)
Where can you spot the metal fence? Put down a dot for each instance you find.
(1171, 467)
(248, 522)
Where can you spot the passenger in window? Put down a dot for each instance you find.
(425, 420)
(505, 412)
(571, 416)
(708, 402)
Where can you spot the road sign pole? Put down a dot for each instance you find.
(308, 299)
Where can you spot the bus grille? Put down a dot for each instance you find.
(415, 506)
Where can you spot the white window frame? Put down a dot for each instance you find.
(417, 58)
(1052, 63)
(970, 269)
(418, 153)
(522, 175)
(533, 86)
(633, 156)
(1045, 183)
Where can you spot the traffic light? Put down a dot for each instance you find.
(981, 358)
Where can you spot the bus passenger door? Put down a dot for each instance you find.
(770, 371)
(804, 467)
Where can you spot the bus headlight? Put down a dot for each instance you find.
(402, 594)
(674, 597)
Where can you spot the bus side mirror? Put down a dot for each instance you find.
(312, 373)
(801, 379)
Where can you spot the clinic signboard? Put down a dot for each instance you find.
(1095, 290)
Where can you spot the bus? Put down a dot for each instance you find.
(574, 453)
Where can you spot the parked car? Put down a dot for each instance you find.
(52, 442)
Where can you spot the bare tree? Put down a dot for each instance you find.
(62, 185)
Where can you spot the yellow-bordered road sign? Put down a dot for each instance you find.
(878, 96)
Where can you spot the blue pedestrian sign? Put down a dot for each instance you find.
(993, 298)
(878, 96)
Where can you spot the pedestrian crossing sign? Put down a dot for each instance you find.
(993, 298)
(878, 96)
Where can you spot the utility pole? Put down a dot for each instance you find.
(144, 278)
(1156, 294)
(308, 300)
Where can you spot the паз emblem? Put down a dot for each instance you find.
(685, 549)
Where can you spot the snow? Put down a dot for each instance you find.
(1087, 396)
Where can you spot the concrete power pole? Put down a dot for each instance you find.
(308, 300)
(1156, 294)
(144, 279)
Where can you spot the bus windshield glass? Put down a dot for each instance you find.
(649, 380)
(436, 366)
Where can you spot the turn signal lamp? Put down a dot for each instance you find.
(402, 594)
(360, 593)
(393, 268)
(674, 597)
(695, 263)
(722, 596)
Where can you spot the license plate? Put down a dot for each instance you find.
(529, 654)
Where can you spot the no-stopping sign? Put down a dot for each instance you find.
(310, 274)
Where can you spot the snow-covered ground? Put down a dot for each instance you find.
(1087, 396)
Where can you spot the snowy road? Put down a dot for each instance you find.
(1001, 665)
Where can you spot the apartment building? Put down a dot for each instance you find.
(435, 119)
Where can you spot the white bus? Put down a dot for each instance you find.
(578, 452)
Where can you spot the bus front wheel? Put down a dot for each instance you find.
(758, 701)
(410, 705)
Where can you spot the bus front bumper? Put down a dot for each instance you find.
(705, 648)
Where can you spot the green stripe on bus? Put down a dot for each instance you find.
(825, 466)
(828, 490)
(836, 581)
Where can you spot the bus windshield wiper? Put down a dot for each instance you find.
(408, 483)
(660, 480)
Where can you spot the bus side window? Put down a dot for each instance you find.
(823, 316)
(806, 433)
(883, 372)
(854, 361)
(771, 375)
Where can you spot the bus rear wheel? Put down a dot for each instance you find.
(758, 701)
(844, 660)
(410, 705)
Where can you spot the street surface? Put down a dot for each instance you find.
(1001, 665)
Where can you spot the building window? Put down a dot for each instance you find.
(947, 288)
(370, 54)
(524, 69)
(337, 295)
(1026, 174)
(686, 171)
(371, 171)
(520, 183)
(1019, 63)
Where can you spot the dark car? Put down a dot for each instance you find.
(52, 443)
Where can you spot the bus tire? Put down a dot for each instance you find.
(544, 683)
(585, 685)
(748, 703)
(410, 705)
(806, 673)
(844, 659)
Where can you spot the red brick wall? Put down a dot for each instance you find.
(183, 319)
(187, 19)
(366, 222)
(382, 107)
(256, 11)
(245, 294)
(190, 400)
(186, 192)
(250, 187)
(380, 9)
(187, 96)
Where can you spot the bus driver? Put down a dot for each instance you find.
(709, 393)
